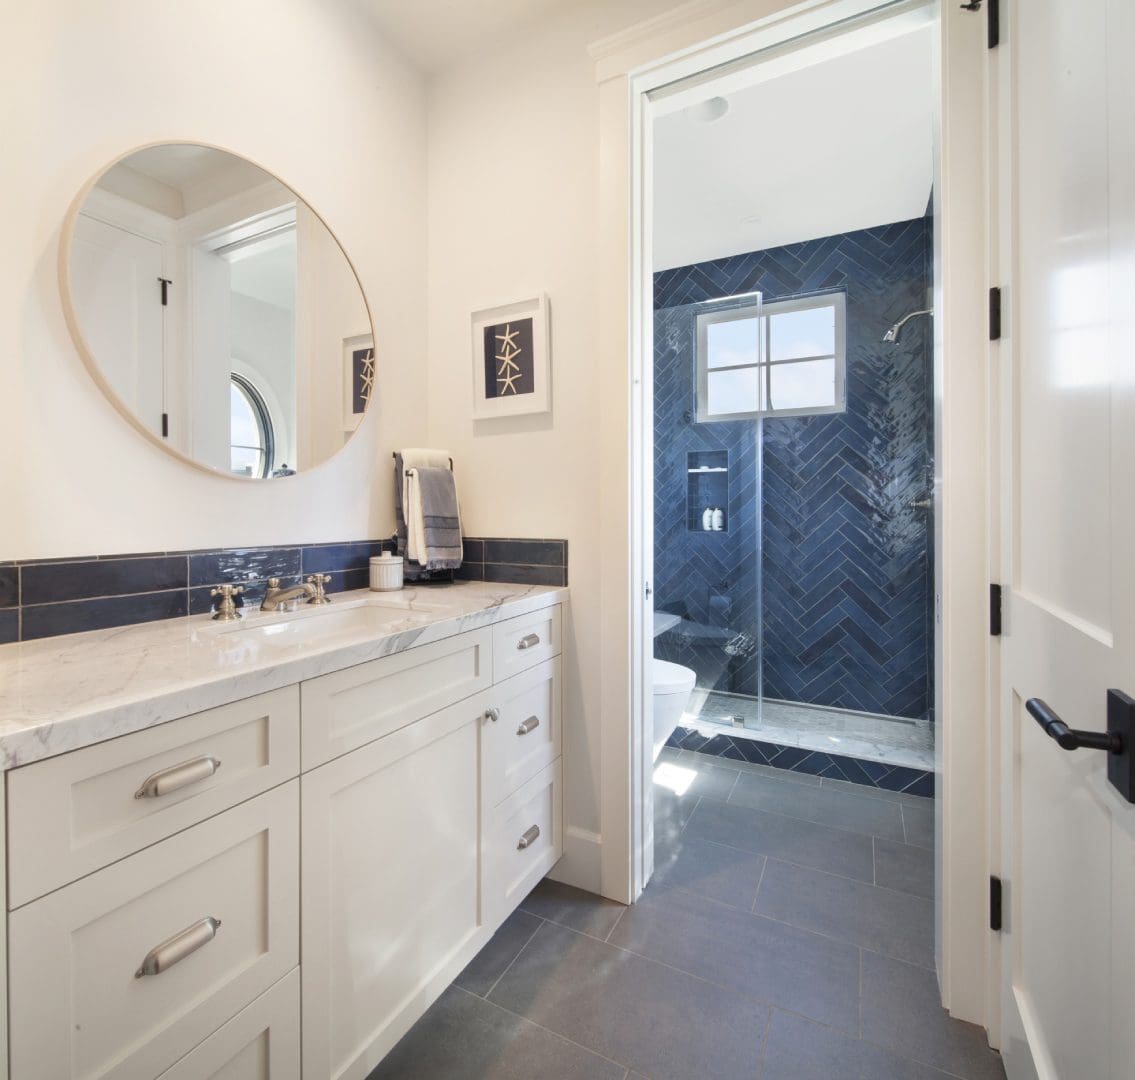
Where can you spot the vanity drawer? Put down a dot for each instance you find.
(525, 841)
(78, 1004)
(72, 814)
(525, 641)
(261, 1041)
(526, 736)
(346, 709)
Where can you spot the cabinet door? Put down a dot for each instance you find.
(120, 974)
(262, 1042)
(390, 896)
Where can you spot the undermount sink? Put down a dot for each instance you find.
(316, 623)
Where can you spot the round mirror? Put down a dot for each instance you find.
(217, 311)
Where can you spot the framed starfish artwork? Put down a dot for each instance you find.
(511, 360)
(358, 378)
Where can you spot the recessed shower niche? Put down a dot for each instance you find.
(707, 489)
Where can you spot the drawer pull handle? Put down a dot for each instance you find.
(177, 777)
(169, 952)
(531, 724)
(528, 641)
(493, 714)
(529, 838)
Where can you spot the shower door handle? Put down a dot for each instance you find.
(922, 504)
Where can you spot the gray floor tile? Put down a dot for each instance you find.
(489, 964)
(661, 1022)
(904, 867)
(571, 907)
(919, 823)
(722, 874)
(807, 779)
(874, 792)
(889, 922)
(798, 1049)
(787, 838)
(901, 1011)
(767, 960)
(696, 776)
(858, 813)
(464, 1036)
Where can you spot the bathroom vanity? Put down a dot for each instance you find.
(265, 847)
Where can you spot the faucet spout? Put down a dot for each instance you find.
(275, 597)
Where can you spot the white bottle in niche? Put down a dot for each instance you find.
(707, 519)
(718, 519)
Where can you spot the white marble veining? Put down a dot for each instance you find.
(886, 739)
(62, 693)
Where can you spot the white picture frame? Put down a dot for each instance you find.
(513, 378)
(351, 346)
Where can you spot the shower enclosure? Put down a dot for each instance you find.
(793, 509)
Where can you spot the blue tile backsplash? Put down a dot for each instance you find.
(846, 600)
(43, 598)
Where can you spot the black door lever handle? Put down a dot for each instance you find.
(1069, 738)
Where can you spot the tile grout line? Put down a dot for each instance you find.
(764, 1044)
(513, 960)
(760, 879)
(615, 924)
(548, 1030)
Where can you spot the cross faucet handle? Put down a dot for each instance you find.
(319, 581)
(226, 609)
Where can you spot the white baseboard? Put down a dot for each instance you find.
(581, 862)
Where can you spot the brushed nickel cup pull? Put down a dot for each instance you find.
(531, 724)
(177, 777)
(528, 641)
(529, 838)
(162, 957)
(493, 714)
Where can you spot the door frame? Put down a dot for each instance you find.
(691, 40)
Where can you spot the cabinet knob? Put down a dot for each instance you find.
(493, 714)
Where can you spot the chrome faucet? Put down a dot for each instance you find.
(275, 597)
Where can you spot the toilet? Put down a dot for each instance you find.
(673, 685)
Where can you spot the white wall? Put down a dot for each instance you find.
(513, 208)
(319, 101)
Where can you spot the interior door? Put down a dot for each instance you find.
(116, 283)
(1068, 841)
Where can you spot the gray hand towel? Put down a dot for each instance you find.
(436, 495)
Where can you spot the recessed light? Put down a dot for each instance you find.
(708, 112)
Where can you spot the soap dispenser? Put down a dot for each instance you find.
(707, 519)
(718, 519)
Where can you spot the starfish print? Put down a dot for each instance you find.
(506, 363)
(507, 338)
(366, 378)
(507, 383)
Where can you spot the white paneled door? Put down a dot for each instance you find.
(1068, 406)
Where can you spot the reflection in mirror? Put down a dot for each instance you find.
(218, 311)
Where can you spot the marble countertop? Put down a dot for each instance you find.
(62, 693)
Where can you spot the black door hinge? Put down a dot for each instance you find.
(995, 610)
(994, 903)
(165, 425)
(992, 20)
(995, 313)
(166, 283)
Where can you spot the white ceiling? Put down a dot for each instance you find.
(434, 33)
(841, 145)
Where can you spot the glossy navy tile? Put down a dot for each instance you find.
(321, 558)
(797, 760)
(46, 583)
(243, 564)
(47, 620)
(470, 571)
(9, 625)
(526, 575)
(473, 550)
(525, 552)
(9, 586)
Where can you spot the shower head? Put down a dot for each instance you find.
(892, 335)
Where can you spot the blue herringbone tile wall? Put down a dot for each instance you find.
(845, 557)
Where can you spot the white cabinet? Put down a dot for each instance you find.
(391, 856)
(121, 973)
(281, 886)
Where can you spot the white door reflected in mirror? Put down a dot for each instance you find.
(217, 311)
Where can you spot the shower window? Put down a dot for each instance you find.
(777, 359)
